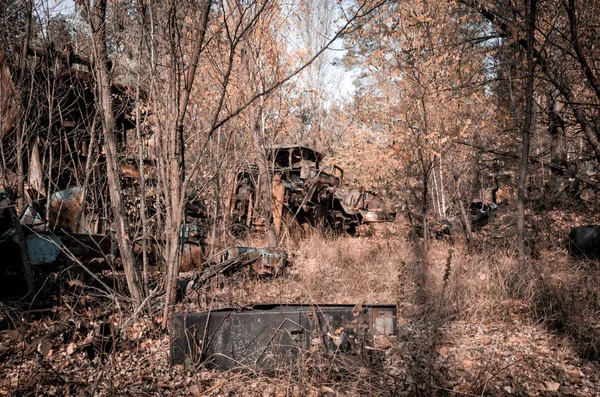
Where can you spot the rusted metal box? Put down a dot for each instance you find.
(270, 335)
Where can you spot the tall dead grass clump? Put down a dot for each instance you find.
(351, 270)
(481, 285)
(568, 302)
(552, 290)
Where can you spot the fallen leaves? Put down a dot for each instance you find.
(71, 348)
(327, 390)
(508, 358)
(504, 358)
(552, 386)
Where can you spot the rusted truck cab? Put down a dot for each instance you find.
(303, 163)
(302, 191)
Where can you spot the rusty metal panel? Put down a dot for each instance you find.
(43, 249)
(383, 320)
(271, 335)
(268, 260)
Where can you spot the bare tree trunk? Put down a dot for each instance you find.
(265, 188)
(426, 165)
(88, 172)
(141, 151)
(20, 136)
(176, 168)
(436, 193)
(526, 133)
(97, 21)
(424, 204)
(466, 220)
(442, 188)
(20, 130)
(217, 211)
(556, 130)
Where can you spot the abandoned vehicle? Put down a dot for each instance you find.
(303, 193)
(353, 207)
(56, 186)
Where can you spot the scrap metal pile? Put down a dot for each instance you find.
(261, 261)
(303, 194)
(53, 194)
(54, 197)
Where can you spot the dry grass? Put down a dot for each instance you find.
(457, 309)
(483, 285)
(343, 270)
(487, 285)
(480, 283)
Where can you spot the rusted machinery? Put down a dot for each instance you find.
(354, 207)
(302, 193)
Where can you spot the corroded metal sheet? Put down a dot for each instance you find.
(43, 249)
(271, 335)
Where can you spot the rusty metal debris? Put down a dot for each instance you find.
(354, 207)
(479, 216)
(481, 213)
(63, 197)
(261, 261)
(303, 193)
(268, 336)
(46, 249)
(248, 261)
(265, 261)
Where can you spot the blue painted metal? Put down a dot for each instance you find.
(237, 251)
(189, 230)
(43, 248)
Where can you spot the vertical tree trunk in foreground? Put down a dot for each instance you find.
(175, 196)
(97, 19)
(526, 133)
(20, 131)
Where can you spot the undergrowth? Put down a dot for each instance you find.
(435, 287)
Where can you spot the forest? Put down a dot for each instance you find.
(299, 198)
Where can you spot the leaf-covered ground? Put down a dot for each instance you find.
(495, 346)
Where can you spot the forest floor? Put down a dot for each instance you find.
(470, 323)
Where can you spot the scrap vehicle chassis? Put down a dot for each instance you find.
(303, 194)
